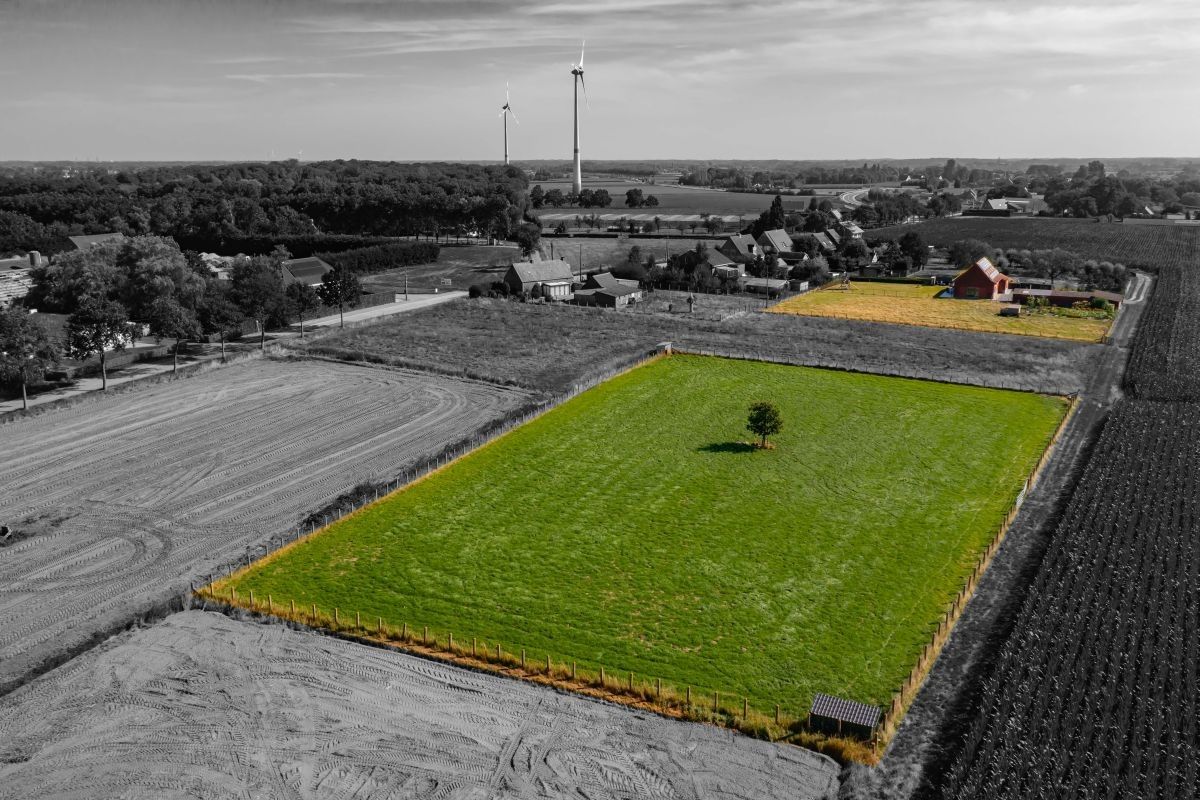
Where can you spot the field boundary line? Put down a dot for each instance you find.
(903, 699)
(643, 692)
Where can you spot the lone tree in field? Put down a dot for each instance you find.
(97, 327)
(25, 352)
(340, 288)
(765, 420)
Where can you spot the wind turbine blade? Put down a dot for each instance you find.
(581, 47)
(584, 85)
(514, 113)
(506, 93)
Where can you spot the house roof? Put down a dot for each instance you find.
(617, 291)
(988, 269)
(84, 242)
(824, 705)
(716, 259)
(833, 236)
(853, 229)
(777, 238)
(601, 280)
(824, 241)
(542, 271)
(743, 243)
(997, 204)
(306, 270)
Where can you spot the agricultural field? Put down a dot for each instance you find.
(1147, 246)
(202, 706)
(461, 265)
(911, 304)
(597, 253)
(1164, 363)
(117, 501)
(676, 199)
(552, 347)
(633, 528)
(1095, 694)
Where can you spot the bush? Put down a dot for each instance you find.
(475, 290)
(1100, 304)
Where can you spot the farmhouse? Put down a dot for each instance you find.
(309, 271)
(84, 242)
(607, 291)
(981, 280)
(739, 247)
(552, 279)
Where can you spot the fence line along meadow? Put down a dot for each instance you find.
(692, 703)
(654, 695)
(903, 698)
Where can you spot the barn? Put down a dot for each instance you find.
(983, 281)
(837, 716)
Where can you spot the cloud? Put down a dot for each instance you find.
(1077, 89)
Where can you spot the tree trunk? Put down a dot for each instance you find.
(341, 316)
(103, 372)
(24, 396)
(175, 358)
(301, 324)
(222, 346)
(262, 335)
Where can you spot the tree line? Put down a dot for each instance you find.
(39, 208)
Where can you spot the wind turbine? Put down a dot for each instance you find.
(577, 71)
(505, 110)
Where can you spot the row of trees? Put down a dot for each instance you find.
(39, 208)
(1052, 263)
(111, 290)
(557, 198)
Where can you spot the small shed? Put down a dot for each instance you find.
(835, 715)
(981, 280)
(607, 291)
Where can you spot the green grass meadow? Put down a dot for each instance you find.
(633, 528)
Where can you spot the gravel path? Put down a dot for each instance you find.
(201, 705)
(124, 499)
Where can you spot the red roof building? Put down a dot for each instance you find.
(981, 281)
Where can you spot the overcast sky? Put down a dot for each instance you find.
(404, 79)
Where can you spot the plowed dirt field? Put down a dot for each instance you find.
(123, 499)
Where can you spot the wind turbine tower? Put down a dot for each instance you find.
(577, 71)
(505, 110)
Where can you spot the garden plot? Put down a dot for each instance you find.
(123, 499)
(203, 706)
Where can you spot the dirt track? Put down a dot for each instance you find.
(133, 495)
(200, 705)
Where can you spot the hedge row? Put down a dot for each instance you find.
(365, 260)
(298, 246)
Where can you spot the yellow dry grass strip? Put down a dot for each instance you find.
(910, 304)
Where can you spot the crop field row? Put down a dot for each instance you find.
(1147, 246)
(633, 528)
(1095, 694)
(1164, 362)
(127, 497)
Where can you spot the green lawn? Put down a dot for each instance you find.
(632, 528)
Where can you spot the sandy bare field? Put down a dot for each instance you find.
(201, 705)
(133, 495)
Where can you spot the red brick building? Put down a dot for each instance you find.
(981, 281)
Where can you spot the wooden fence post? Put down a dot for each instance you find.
(522, 658)
(425, 636)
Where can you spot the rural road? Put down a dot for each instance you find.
(926, 735)
(851, 198)
(212, 352)
(201, 705)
